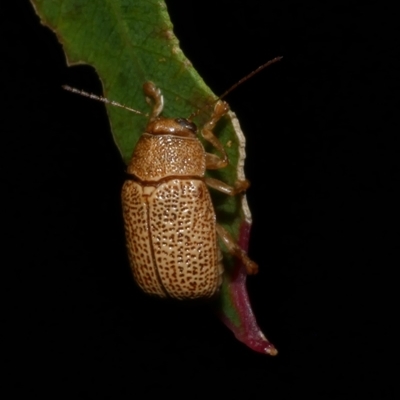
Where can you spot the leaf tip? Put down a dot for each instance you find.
(271, 350)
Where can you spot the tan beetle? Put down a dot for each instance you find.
(170, 224)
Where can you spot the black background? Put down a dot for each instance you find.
(323, 145)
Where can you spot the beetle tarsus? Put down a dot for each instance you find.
(155, 98)
(234, 249)
(251, 267)
(241, 186)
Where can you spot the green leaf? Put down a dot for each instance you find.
(130, 42)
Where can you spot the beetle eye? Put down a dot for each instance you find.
(184, 123)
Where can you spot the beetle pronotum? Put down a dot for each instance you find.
(170, 223)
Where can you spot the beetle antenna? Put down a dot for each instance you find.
(250, 75)
(233, 87)
(100, 98)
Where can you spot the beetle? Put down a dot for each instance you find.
(170, 223)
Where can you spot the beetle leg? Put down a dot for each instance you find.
(212, 160)
(234, 249)
(239, 187)
(215, 162)
(154, 98)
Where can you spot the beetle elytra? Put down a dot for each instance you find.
(170, 223)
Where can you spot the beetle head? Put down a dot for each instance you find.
(172, 126)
